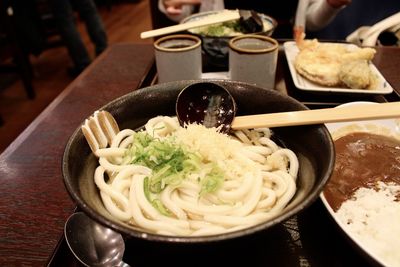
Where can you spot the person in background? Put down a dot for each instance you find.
(63, 11)
(26, 25)
(312, 14)
(358, 13)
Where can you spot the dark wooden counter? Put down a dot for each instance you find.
(33, 203)
(388, 62)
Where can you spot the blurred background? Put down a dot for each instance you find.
(34, 60)
(35, 65)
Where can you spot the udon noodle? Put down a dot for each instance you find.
(194, 180)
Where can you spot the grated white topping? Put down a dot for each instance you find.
(374, 219)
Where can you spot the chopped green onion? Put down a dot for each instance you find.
(156, 203)
(171, 163)
(212, 181)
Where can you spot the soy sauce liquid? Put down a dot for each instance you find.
(210, 107)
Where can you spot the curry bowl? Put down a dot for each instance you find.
(311, 144)
(343, 197)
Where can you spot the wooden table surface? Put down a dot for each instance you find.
(34, 204)
(387, 60)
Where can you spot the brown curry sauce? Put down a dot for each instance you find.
(362, 159)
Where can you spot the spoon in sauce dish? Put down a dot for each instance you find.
(93, 244)
(212, 105)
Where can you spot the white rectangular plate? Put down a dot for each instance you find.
(302, 83)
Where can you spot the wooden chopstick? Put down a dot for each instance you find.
(226, 15)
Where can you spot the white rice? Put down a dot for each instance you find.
(374, 219)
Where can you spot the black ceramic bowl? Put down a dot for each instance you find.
(312, 144)
(216, 49)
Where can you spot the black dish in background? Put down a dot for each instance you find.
(216, 49)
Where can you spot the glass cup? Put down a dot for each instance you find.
(178, 57)
(253, 59)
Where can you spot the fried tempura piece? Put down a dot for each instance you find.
(299, 35)
(322, 62)
(359, 53)
(356, 74)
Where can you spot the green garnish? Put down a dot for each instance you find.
(155, 202)
(222, 29)
(171, 163)
(212, 181)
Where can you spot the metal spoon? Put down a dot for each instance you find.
(212, 105)
(93, 244)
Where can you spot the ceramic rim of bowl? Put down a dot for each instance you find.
(273, 42)
(195, 39)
